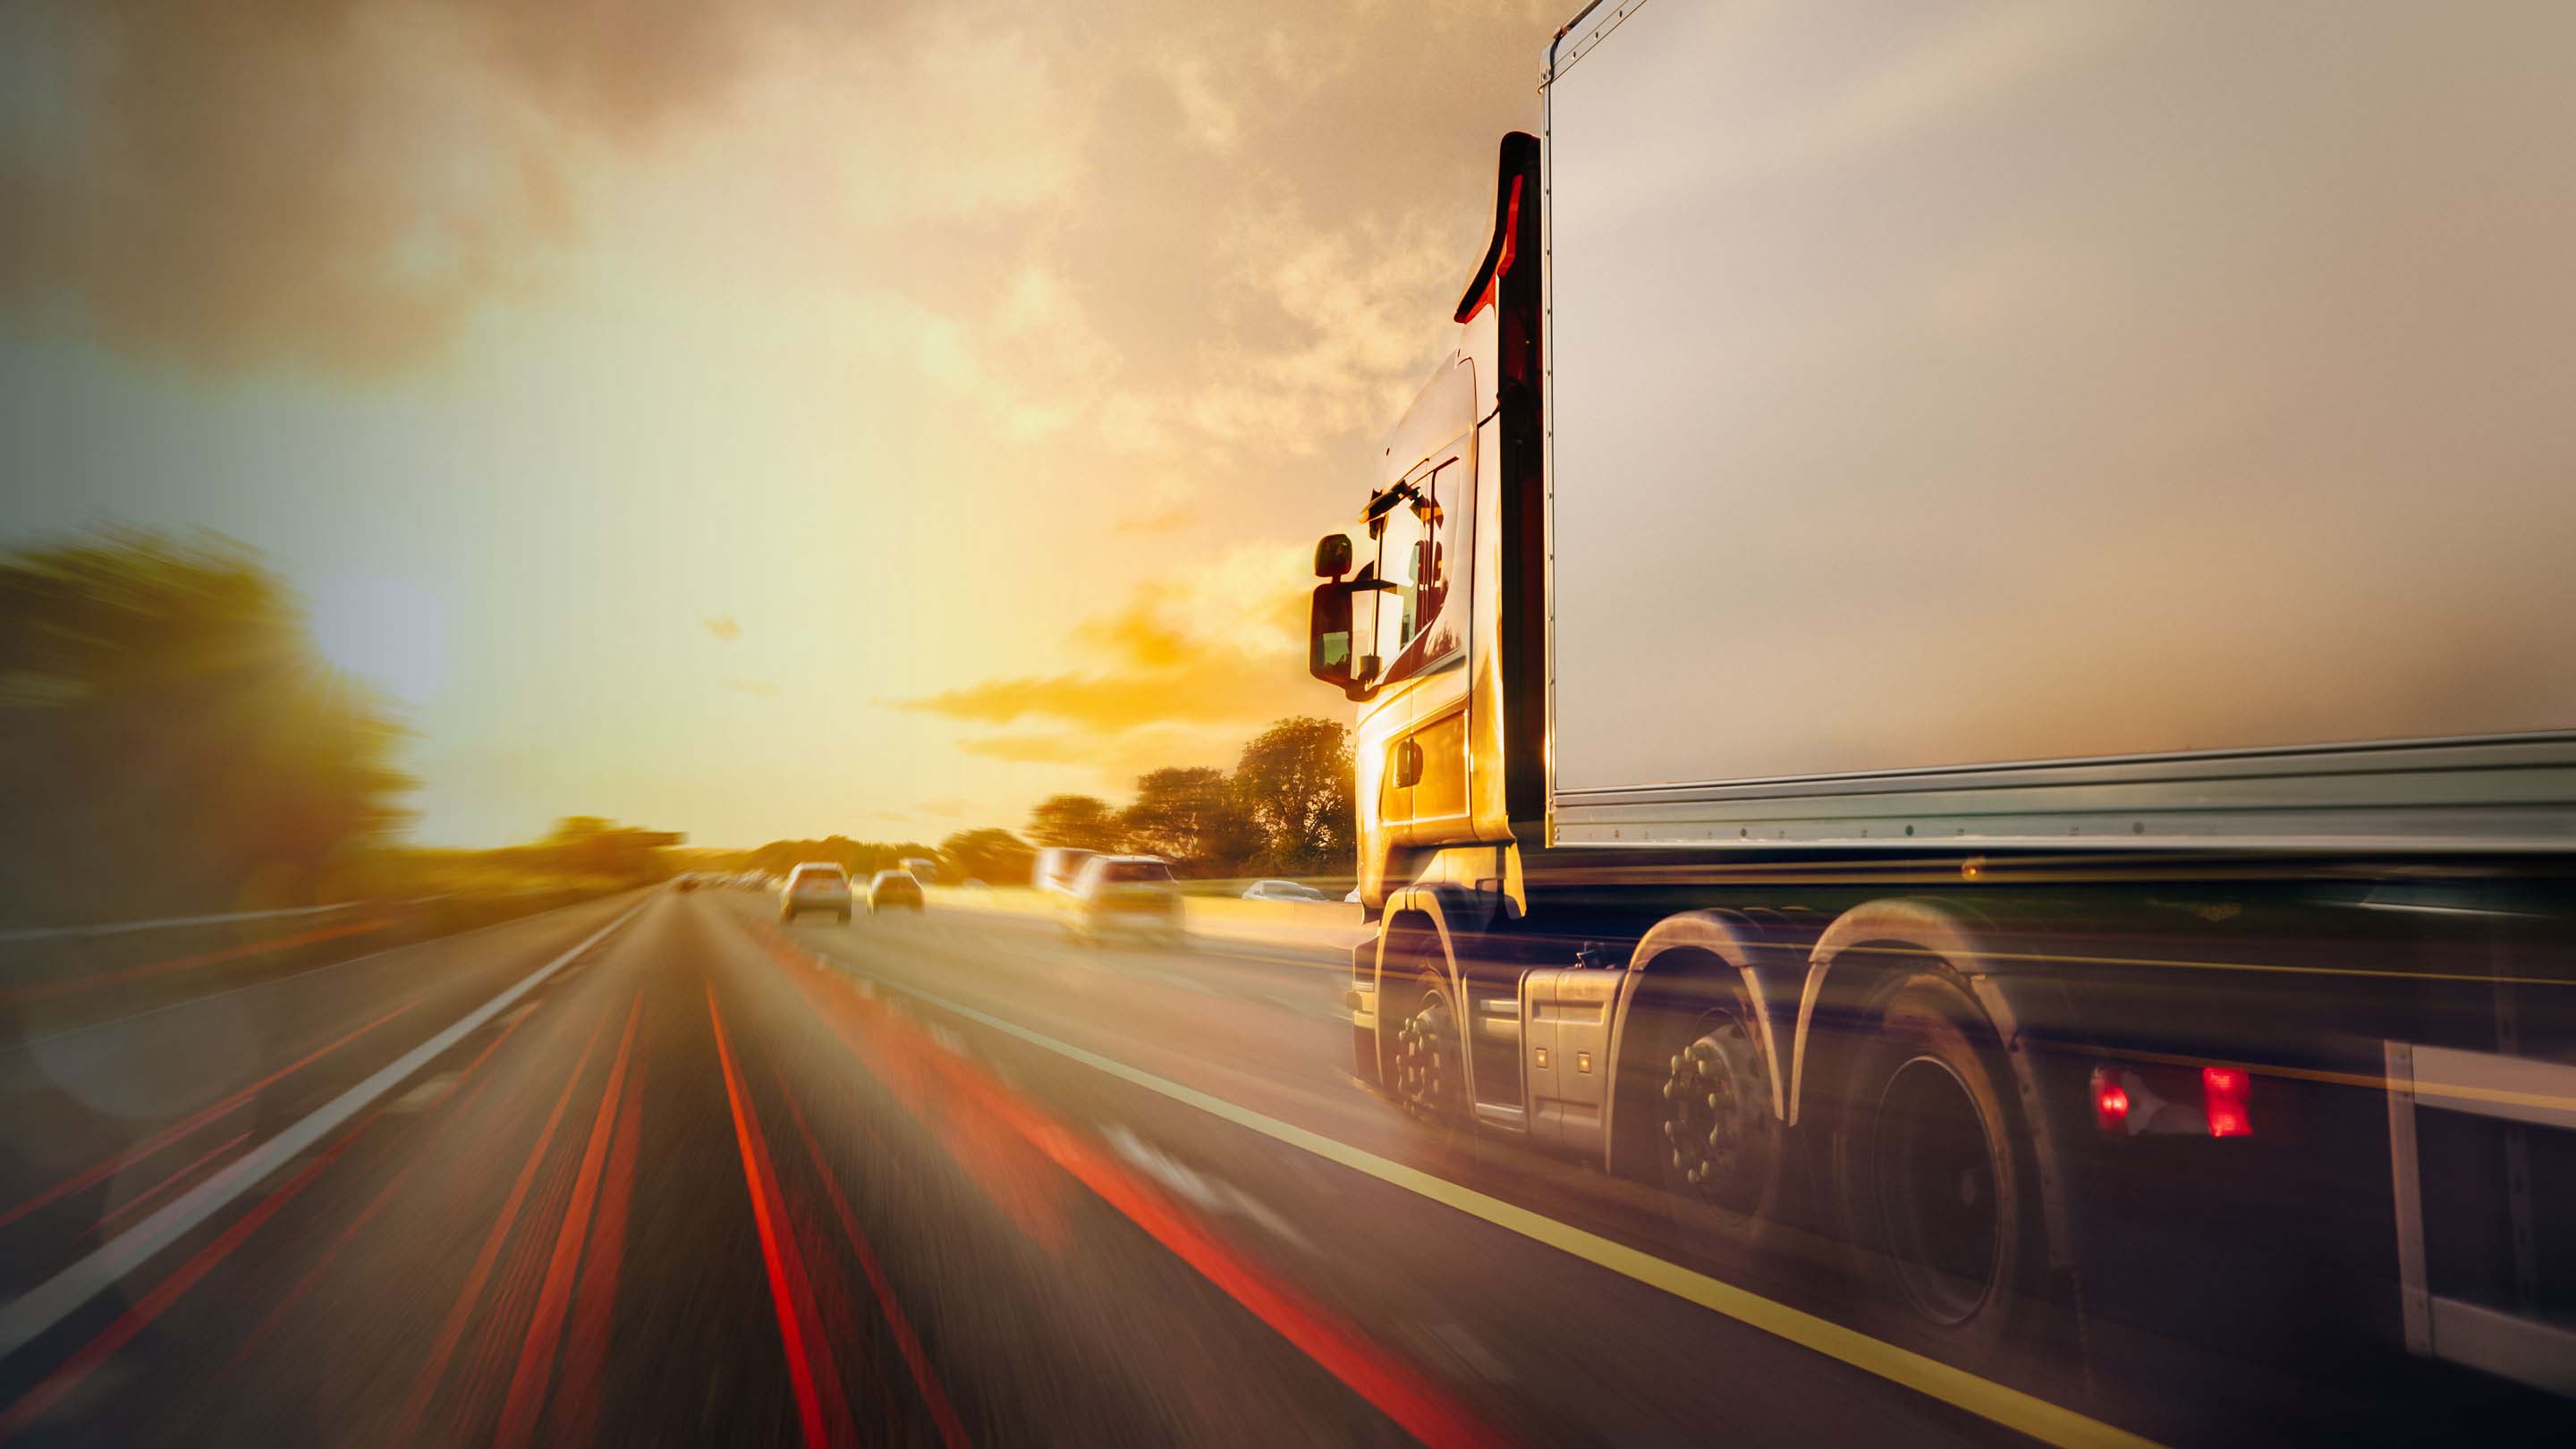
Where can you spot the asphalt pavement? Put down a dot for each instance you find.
(657, 1169)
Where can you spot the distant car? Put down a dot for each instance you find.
(1056, 866)
(923, 869)
(687, 881)
(1281, 890)
(1123, 895)
(894, 890)
(815, 886)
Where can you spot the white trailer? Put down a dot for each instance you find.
(2131, 425)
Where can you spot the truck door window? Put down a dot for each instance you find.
(1417, 552)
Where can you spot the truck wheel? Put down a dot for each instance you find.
(1933, 1179)
(1430, 1068)
(1716, 1138)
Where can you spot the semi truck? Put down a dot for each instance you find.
(1971, 657)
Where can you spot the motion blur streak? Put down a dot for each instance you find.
(575, 1412)
(392, 1188)
(1400, 1392)
(101, 980)
(989, 1153)
(153, 1193)
(2040, 1419)
(537, 1353)
(436, 1366)
(46, 990)
(790, 1292)
(952, 1432)
(105, 1167)
(139, 1317)
(2167, 963)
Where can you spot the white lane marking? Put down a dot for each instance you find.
(431, 1092)
(2010, 1407)
(1467, 1349)
(1207, 1193)
(48, 1303)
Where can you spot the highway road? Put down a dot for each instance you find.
(655, 1169)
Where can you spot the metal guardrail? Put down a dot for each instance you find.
(57, 978)
(113, 928)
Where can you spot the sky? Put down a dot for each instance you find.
(757, 420)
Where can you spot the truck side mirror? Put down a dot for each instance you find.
(1332, 555)
(1329, 643)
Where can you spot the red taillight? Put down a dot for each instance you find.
(2110, 1100)
(2223, 1093)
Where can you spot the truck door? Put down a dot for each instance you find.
(1422, 551)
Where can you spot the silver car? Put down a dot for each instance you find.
(1123, 895)
(817, 885)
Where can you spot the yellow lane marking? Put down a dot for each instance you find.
(2009, 1407)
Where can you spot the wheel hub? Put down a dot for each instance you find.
(1714, 1118)
(1423, 1070)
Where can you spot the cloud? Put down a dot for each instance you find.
(724, 627)
(1180, 670)
(345, 185)
(1115, 760)
(329, 184)
(1049, 748)
(757, 688)
(1160, 520)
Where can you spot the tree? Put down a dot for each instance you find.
(1188, 815)
(586, 845)
(1294, 782)
(171, 740)
(861, 858)
(991, 856)
(1085, 822)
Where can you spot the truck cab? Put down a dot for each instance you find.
(1425, 616)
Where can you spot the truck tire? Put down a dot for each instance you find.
(1936, 1183)
(1430, 1056)
(1699, 1081)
